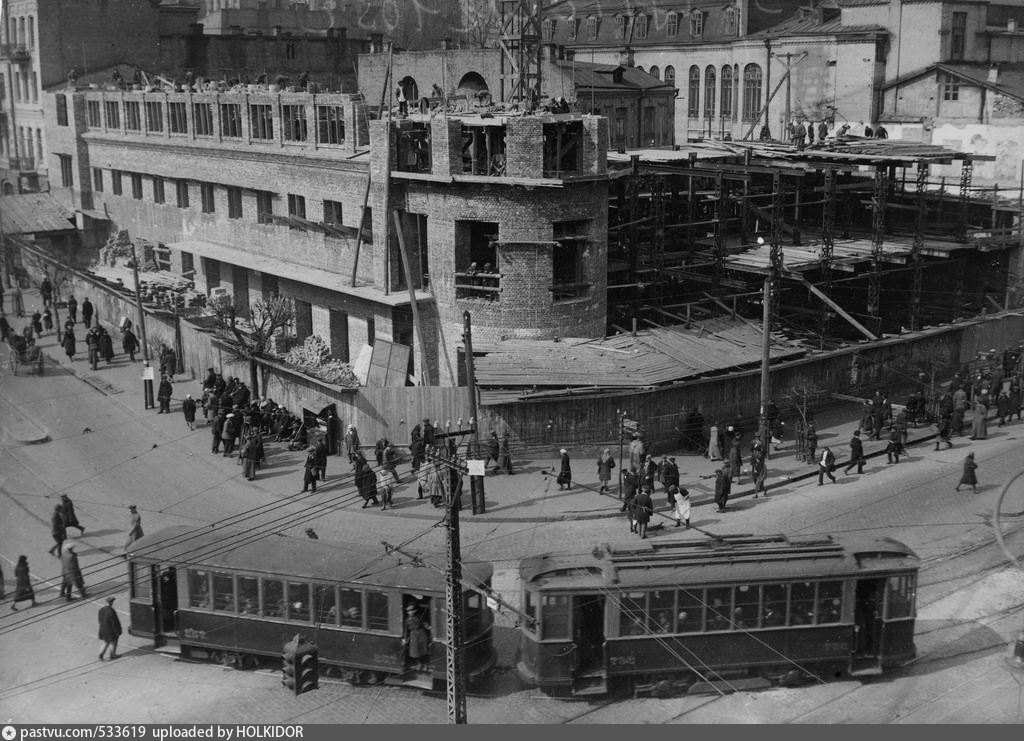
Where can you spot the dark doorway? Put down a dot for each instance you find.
(868, 616)
(168, 596)
(588, 631)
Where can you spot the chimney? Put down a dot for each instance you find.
(993, 74)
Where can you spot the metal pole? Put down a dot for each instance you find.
(766, 344)
(476, 483)
(454, 670)
(788, 87)
(147, 383)
(622, 431)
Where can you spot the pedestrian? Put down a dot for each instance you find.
(57, 530)
(391, 461)
(134, 527)
(894, 446)
(72, 309)
(826, 465)
(636, 452)
(87, 311)
(378, 451)
(68, 343)
(320, 449)
(648, 473)
(37, 322)
(416, 638)
(19, 301)
(110, 628)
(163, 394)
(22, 584)
(670, 474)
(759, 471)
(129, 343)
(810, 442)
(979, 421)
(822, 130)
(92, 344)
(217, 430)
(505, 455)
(228, 433)
(46, 290)
(856, 454)
(106, 345)
(943, 428)
(715, 444)
(630, 484)
(969, 478)
(605, 464)
(351, 443)
(67, 513)
(71, 573)
(723, 486)
(681, 497)
(493, 450)
(736, 460)
(250, 457)
(5, 326)
(188, 408)
(309, 471)
(643, 508)
(47, 320)
(1003, 407)
(564, 479)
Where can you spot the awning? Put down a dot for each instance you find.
(293, 271)
(34, 213)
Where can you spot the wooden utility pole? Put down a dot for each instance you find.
(147, 383)
(476, 483)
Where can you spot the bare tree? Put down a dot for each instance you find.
(254, 333)
(481, 22)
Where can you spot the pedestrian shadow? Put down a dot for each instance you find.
(263, 474)
(95, 534)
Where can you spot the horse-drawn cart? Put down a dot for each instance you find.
(25, 354)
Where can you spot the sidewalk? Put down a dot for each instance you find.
(530, 495)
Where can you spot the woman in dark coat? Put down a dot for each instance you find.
(416, 638)
(106, 345)
(968, 478)
(23, 584)
(736, 460)
(643, 508)
(163, 395)
(68, 343)
(129, 343)
(605, 464)
(723, 486)
(366, 483)
(37, 323)
(67, 511)
(564, 479)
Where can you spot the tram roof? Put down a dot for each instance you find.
(272, 554)
(727, 559)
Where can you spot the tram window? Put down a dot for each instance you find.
(326, 610)
(631, 614)
(248, 595)
(901, 596)
(530, 608)
(554, 615)
(142, 585)
(830, 602)
(690, 617)
(773, 614)
(298, 602)
(351, 608)
(661, 608)
(377, 611)
(801, 610)
(198, 589)
(747, 607)
(719, 608)
(472, 612)
(224, 592)
(273, 598)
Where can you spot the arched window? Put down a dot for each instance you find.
(693, 98)
(710, 79)
(655, 72)
(727, 93)
(751, 92)
(670, 75)
(640, 67)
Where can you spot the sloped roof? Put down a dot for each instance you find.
(810, 26)
(34, 213)
(1009, 81)
(592, 74)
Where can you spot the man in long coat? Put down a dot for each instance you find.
(67, 511)
(110, 628)
(856, 453)
(134, 526)
(58, 530)
(86, 312)
(643, 508)
(163, 395)
(71, 573)
(723, 486)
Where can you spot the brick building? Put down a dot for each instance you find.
(262, 193)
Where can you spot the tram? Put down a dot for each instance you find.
(237, 598)
(785, 609)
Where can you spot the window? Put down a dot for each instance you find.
(801, 603)
(632, 611)
(709, 91)
(92, 108)
(62, 109)
(293, 120)
(554, 615)
(693, 98)
(592, 25)
(620, 124)
(548, 30)
(332, 212)
(178, 117)
(640, 30)
(719, 608)
(621, 23)
(751, 92)
(775, 604)
(900, 597)
(198, 589)
(571, 244)
(830, 602)
(97, 179)
(746, 611)
(330, 123)
(690, 611)
(248, 595)
(136, 186)
(377, 611)
(371, 330)
(673, 25)
(115, 182)
(298, 602)
(661, 610)
(223, 592)
(264, 207)
(154, 115)
(234, 203)
(67, 174)
(530, 608)
(273, 598)
(324, 609)
(141, 582)
(351, 608)
(958, 36)
(732, 17)
(574, 28)
(697, 24)
(727, 88)
(261, 121)
(206, 196)
(296, 205)
(231, 120)
(670, 75)
(202, 116)
(158, 190)
(655, 72)
(181, 193)
(132, 117)
(113, 111)
(950, 87)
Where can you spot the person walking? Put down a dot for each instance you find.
(1003, 407)
(643, 508)
(826, 465)
(894, 447)
(723, 486)
(87, 311)
(351, 443)
(163, 394)
(681, 496)
(320, 449)
(979, 421)
(944, 427)
(188, 408)
(968, 477)
(759, 472)
(19, 300)
(390, 463)
(736, 460)
(856, 454)
(92, 344)
(22, 584)
(110, 628)
(605, 464)
(309, 471)
(57, 530)
(564, 479)
(217, 430)
(505, 455)
(250, 457)
(134, 527)
(68, 343)
(71, 573)
(106, 345)
(72, 309)
(47, 320)
(67, 513)
(811, 442)
(493, 450)
(227, 434)
(129, 343)
(46, 290)
(714, 443)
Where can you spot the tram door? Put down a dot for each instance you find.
(588, 631)
(167, 600)
(868, 618)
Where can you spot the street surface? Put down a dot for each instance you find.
(92, 440)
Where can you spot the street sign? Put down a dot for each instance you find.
(148, 373)
(630, 425)
(476, 468)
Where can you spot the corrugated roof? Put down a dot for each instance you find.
(652, 357)
(34, 213)
(592, 74)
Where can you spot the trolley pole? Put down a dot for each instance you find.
(622, 433)
(147, 371)
(454, 666)
(476, 483)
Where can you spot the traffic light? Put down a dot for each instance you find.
(307, 669)
(288, 663)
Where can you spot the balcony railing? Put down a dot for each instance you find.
(17, 53)
(22, 164)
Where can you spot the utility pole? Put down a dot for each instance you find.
(789, 77)
(476, 483)
(147, 371)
